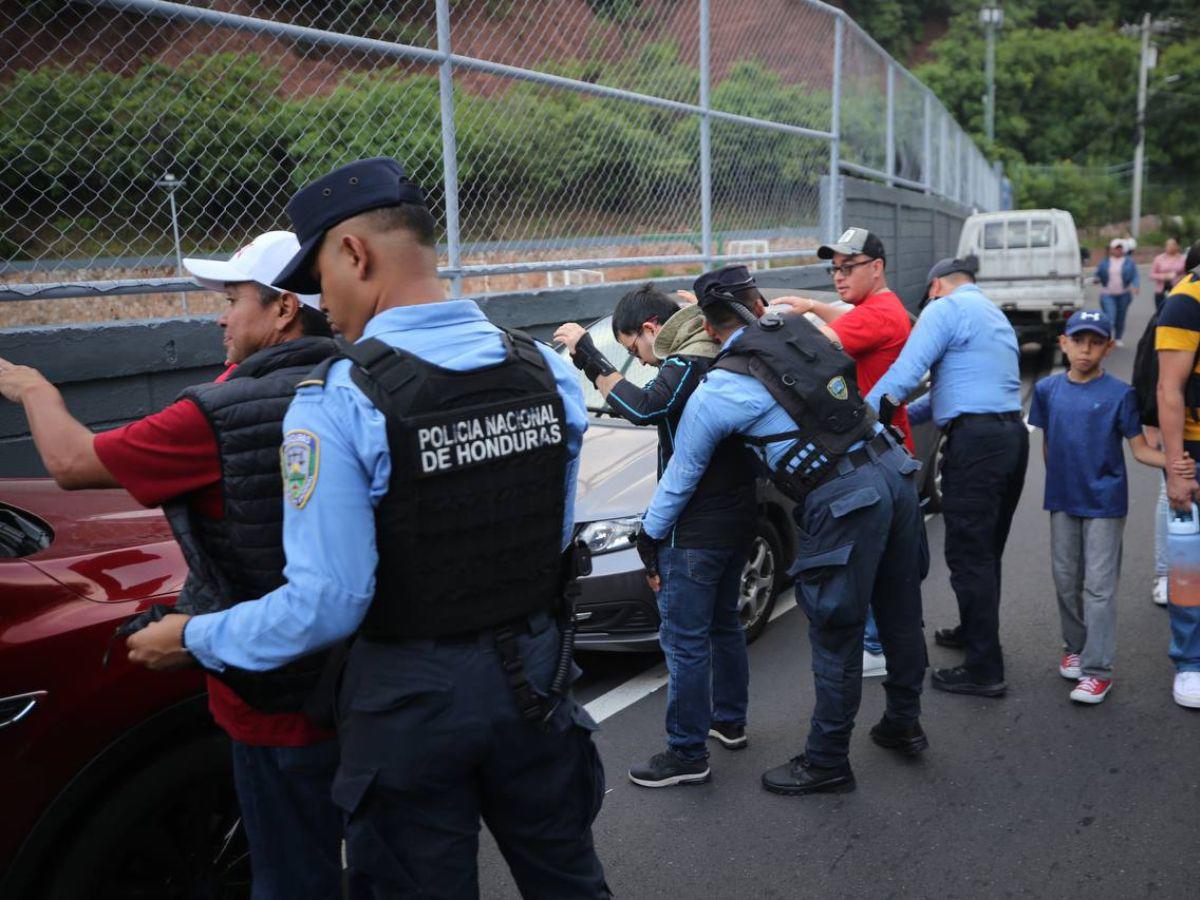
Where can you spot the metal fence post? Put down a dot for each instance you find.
(449, 148)
(958, 176)
(890, 155)
(706, 235)
(927, 143)
(834, 200)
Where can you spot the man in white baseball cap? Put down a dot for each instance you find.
(211, 461)
(258, 312)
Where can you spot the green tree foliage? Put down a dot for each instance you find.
(92, 145)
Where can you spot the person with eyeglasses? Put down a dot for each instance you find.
(698, 581)
(872, 330)
(966, 342)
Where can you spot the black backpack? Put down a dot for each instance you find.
(1145, 379)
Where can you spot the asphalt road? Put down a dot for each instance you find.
(1026, 796)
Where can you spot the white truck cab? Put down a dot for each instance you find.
(1029, 266)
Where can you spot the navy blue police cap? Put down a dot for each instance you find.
(724, 286)
(345, 192)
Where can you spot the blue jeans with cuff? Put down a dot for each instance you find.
(704, 644)
(293, 828)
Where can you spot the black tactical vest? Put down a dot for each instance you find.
(815, 384)
(240, 557)
(724, 505)
(470, 531)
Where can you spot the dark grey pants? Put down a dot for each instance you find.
(861, 545)
(1085, 558)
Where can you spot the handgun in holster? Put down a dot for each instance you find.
(887, 411)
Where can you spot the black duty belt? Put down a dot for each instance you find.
(962, 418)
(879, 444)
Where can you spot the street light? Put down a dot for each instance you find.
(171, 184)
(991, 17)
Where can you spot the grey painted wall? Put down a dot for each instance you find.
(916, 229)
(113, 373)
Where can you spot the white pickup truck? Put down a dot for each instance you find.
(1029, 266)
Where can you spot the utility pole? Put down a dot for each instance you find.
(1144, 65)
(992, 18)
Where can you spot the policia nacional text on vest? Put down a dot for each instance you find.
(470, 531)
(815, 384)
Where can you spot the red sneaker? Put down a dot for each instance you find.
(1091, 689)
(1069, 667)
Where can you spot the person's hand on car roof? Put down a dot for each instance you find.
(569, 334)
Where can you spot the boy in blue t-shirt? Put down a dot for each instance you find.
(1085, 413)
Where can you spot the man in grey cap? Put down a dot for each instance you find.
(969, 346)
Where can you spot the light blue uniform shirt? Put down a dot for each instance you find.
(968, 345)
(330, 539)
(724, 404)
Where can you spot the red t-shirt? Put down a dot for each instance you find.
(873, 334)
(172, 454)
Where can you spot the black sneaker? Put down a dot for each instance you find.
(908, 739)
(796, 777)
(950, 637)
(959, 681)
(732, 736)
(666, 769)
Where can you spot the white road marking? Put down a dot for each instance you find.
(627, 694)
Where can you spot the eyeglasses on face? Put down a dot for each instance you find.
(846, 268)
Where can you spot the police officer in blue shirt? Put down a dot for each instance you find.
(429, 488)
(785, 389)
(969, 346)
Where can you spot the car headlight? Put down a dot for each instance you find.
(608, 535)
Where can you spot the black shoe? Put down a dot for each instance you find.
(908, 739)
(666, 769)
(959, 681)
(796, 777)
(733, 737)
(950, 637)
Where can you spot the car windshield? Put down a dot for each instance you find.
(634, 370)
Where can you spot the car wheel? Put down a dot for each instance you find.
(173, 830)
(760, 578)
(933, 476)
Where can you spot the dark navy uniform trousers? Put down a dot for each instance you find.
(982, 476)
(862, 543)
(432, 742)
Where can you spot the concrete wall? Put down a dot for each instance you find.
(112, 373)
(916, 229)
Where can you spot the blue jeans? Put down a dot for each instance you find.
(703, 641)
(1115, 307)
(292, 826)
(1185, 620)
(871, 642)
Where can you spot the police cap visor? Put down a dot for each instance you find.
(342, 194)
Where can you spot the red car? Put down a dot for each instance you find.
(117, 783)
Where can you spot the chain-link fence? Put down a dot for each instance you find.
(620, 137)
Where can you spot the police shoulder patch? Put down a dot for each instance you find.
(837, 388)
(300, 459)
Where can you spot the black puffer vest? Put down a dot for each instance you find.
(240, 557)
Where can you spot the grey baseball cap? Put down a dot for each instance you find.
(852, 242)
